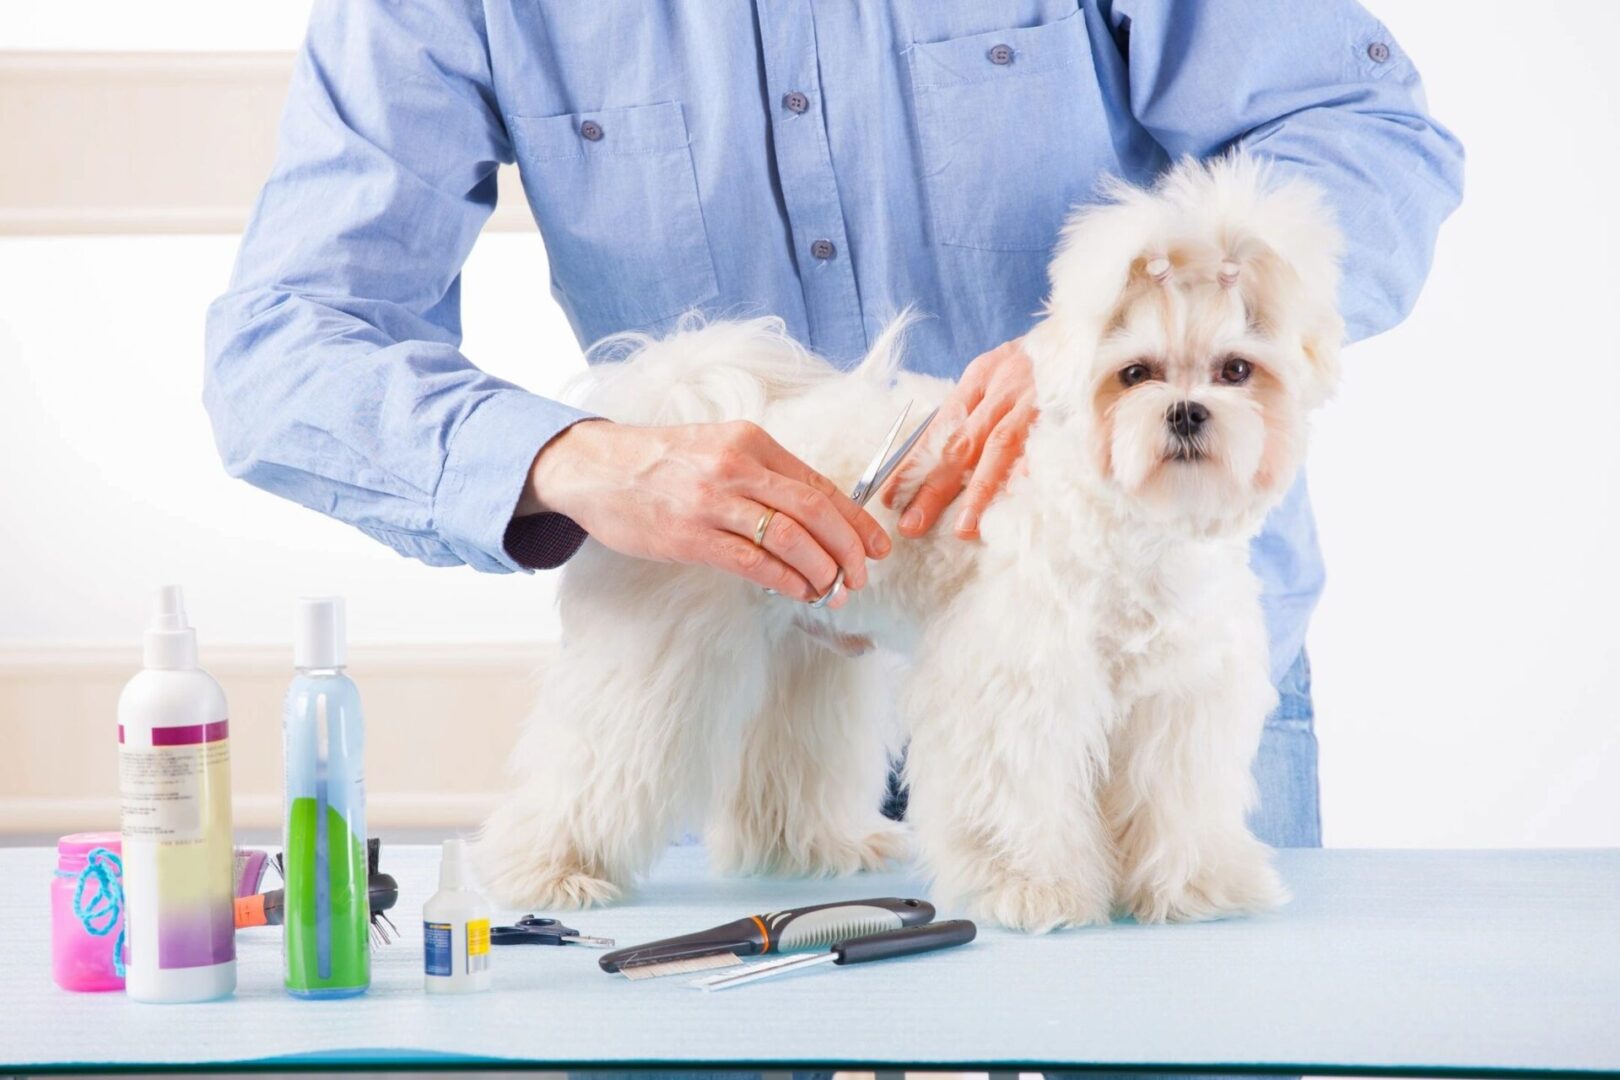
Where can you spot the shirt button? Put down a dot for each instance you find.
(796, 102)
(1000, 54)
(1378, 52)
(591, 130)
(823, 249)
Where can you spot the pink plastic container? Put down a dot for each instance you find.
(87, 912)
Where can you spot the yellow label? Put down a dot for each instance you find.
(477, 937)
(175, 794)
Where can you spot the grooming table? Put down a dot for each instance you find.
(1420, 962)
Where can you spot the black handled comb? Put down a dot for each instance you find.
(779, 931)
(885, 946)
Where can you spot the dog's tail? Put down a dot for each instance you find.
(883, 358)
(706, 372)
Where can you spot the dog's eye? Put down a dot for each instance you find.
(1236, 371)
(1136, 373)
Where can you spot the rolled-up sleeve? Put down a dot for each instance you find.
(1322, 89)
(334, 375)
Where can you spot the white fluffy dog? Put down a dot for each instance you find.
(1084, 689)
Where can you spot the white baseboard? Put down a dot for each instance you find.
(397, 810)
(439, 723)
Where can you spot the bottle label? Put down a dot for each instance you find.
(167, 787)
(175, 802)
(477, 945)
(438, 948)
(436, 938)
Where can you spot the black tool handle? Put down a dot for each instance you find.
(907, 942)
(822, 925)
(793, 929)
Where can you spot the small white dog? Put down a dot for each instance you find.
(1086, 687)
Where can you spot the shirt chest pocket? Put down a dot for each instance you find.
(616, 197)
(1013, 132)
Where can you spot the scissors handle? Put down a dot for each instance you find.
(832, 590)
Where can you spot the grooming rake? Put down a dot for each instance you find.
(795, 929)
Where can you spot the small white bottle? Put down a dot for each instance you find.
(174, 774)
(455, 928)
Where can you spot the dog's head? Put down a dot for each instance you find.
(1191, 328)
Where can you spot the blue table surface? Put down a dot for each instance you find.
(1386, 962)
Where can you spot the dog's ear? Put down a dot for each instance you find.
(1285, 239)
(1103, 252)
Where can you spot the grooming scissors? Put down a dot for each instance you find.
(880, 469)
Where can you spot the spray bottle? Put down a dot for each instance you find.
(174, 778)
(327, 915)
(455, 928)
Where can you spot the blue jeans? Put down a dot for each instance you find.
(1288, 815)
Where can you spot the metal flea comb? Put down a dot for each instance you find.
(887, 945)
(779, 931)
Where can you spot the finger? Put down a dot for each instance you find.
(873, 540)
(785, 538)
(729, 552)
(944, 481)
(762, 450)
(954, 412)
(817, 513)
(1002, 450)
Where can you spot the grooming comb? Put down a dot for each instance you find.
(779, 931)
(891, 943)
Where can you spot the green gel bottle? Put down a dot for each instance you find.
(327, 924)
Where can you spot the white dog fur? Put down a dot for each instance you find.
(1084, 688)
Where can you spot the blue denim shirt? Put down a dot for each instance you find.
(827, 162)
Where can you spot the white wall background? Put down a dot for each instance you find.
(1466, 478)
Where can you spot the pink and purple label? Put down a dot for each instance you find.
(179, 860)
(186, 735)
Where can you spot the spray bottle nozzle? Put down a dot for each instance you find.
(455, 870)
(169, 609)
(170, 640)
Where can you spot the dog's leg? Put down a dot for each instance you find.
(659, 667)
(1178, 794)
(1008, 745)
(814, 764)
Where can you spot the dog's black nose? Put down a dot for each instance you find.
(1186, 418)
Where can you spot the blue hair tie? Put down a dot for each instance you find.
(105, 907)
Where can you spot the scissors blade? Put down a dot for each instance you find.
(894, 459)
(882, 466)
(869, 479)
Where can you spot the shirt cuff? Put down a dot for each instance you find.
(543, 541)
(485, 469)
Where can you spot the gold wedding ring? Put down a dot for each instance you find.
(764, 523)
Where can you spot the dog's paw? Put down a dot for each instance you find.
(1242, 882)
(1037, 906)
(835, 854)
(820, 853)
(887, 844)
(545, 883)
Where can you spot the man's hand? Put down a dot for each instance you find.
(695, 494)
(993, 407)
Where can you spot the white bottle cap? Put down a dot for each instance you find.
(170, 642)
(455, 869)
(322, 633)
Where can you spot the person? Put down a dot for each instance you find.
(827, 163)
